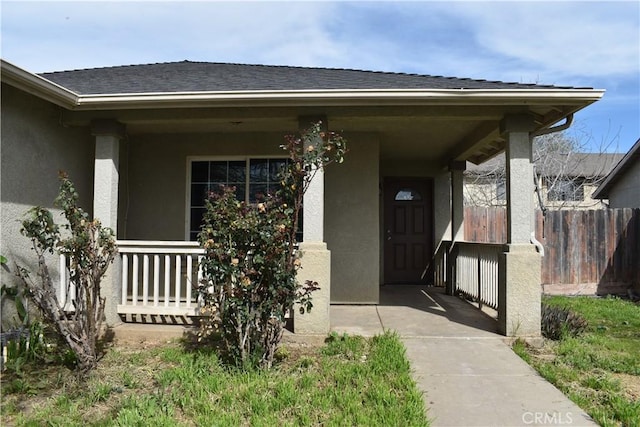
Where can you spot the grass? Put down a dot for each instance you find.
(600, 369)
(348, 381)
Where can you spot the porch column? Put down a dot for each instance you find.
(105, 202)
(519, 293)
(315, 257)
(457, 220)
(442, 226)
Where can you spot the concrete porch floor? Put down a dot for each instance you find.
(468, 374)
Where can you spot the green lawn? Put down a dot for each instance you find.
(600, 369)
(348, 381)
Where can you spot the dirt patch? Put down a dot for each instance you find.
(630, 384)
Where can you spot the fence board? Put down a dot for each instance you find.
(590, 251)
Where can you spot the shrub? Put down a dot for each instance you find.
(90, 248)
(250, 263)
(558, 322)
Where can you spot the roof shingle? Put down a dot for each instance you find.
(188, 76)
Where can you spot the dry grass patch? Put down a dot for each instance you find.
(347, 381)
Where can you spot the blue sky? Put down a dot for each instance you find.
(593, 44)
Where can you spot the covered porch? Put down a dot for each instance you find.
(355, 231)
(163, 135)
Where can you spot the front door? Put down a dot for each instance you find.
(408, 237)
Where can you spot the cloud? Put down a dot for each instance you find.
(543, 42)
(591, 39)
(593, 44)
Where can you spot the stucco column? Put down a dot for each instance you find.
(457, 220)
(519, 291)
(442, 221)
(315, 257)
(105, 202)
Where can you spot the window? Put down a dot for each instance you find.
(501, 190)
(564, 190)
(407, 194)
(250, 177)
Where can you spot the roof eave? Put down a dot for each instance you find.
(362, 97)
(36, 85)
(602, 192)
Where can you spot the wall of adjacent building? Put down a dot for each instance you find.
(482, 194)
(626, 191)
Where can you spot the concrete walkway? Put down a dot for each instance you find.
(468, 374)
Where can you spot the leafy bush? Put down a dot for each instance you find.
(250, 263)
(90, 249)
(558, 322)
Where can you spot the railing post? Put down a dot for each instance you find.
(452, 266)
(479, 261)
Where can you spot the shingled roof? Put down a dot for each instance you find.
(188, 76)
(589, 165)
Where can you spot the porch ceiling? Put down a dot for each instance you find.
(435, 134)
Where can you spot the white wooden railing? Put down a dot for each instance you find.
(159, 277)
(476, 271)
(439, 264)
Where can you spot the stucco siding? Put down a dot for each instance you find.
(626, 191)
(35, 146)
(156, 198)
(352, 222)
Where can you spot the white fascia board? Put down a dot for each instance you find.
(581, 97)
(36, 85)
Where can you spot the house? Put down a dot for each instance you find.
(622, 185)
(143, 141)
(564, 180)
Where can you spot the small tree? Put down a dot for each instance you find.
(250, 264)
(89, 249)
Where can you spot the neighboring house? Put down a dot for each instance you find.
(622, 185)
(564, 181)
(143, 142)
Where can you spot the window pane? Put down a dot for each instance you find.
(241, 192)
(407, 194)
(259, 170)
(199, 193)
(196, 218)
(275, 169)
(566, 190)
(256, 190)
(501, 191)
(199, 171)
(237, 171)
(218, 172)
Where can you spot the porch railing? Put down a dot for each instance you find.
(476, 271)
(439, 264)
(159, 277)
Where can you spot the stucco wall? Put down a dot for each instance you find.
(156, 198)
(626, 192)
(352, 222)
(34, 148)
(155, 201)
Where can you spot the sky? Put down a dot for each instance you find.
(581, 44)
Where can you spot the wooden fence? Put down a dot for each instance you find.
(586, 251)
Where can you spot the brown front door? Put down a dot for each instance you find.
(407, 234)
